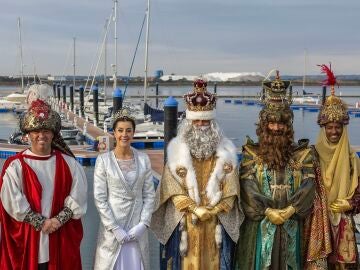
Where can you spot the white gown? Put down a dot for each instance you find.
(124, 196)
(130, 254)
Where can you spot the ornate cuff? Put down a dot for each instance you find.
(64, 216)
(267, 211)
(34, 219)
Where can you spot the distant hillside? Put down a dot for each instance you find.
(221, 78)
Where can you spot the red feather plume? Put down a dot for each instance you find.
(331, 79)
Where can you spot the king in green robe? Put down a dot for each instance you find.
(277, 189)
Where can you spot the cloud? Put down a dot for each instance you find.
(185, 36)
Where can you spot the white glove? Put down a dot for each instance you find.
(120, 235)
(137, 231)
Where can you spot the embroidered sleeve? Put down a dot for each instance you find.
(303, 198)
(253, 201)
(182, 202)
(226, 204)
(64, 216)
(355, 201)
(34, 219)
(247, 165)
(308, 165)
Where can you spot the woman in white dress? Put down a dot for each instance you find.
(124, 196)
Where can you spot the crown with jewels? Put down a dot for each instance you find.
(275, 93)
(333, 109)
(276, 99)
(200, 103)
(124, 113)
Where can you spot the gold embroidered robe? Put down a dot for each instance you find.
(175, 203)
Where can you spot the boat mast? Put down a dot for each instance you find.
(115, 39)
(74, 66)
(146, 48)
(105, 59)
(34, 67)
(21, 57)
(304, 77)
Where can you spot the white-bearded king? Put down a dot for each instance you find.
(197, 214)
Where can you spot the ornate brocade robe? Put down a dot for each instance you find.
(341, 231)
(264, 245)
(202, 245)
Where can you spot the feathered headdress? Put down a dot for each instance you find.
(333, 109)
(330, 77)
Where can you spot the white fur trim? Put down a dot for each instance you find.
(183, 244)
(226, 153)
(182, 223)
(200, 115)
(218, 236)
(179, 156)
(183, 238)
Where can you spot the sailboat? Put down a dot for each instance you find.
(306, 98)
(304, 76)
(11, 101)
(21, 94)
(146, 126)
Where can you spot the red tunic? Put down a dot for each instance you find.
(19, 245)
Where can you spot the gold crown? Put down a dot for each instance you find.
(275, 93)
(333, 109)
(200, 99)
(276, 100)
(124, 113)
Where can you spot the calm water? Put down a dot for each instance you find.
(237, 121)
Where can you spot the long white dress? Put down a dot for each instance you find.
(130, 254)
(124, 198)
(17, 206)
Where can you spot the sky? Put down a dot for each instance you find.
(188, 37)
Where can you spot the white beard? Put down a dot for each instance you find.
(202, 141)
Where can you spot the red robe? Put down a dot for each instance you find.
(19, 245)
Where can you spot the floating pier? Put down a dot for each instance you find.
(85, 156)
(91, 132)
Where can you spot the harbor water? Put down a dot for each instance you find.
(236, 120)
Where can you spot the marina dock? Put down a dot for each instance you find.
(93, 132)
(85, 156)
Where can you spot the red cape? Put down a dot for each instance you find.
(19, 245)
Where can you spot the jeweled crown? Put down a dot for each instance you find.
(124, 113)
(333, 109)
(275, 93)
(200, 99)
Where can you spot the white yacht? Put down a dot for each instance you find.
(7, 106)
(306, 100)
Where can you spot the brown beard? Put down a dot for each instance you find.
(275, 148)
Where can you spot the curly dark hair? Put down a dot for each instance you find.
(275, 148)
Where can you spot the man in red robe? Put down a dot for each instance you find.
(43, 195)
